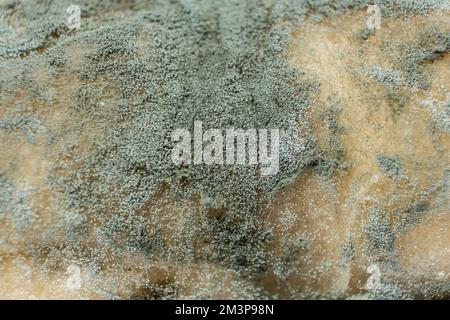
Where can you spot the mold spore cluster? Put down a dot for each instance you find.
(139, 74)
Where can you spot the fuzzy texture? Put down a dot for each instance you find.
(160, 66)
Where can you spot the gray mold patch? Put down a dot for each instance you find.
(429, 46)
(386, 76)
(348, 251)
(26, 125)
(391, 165)
(385, 291)
(440, 111)
(410, 7)
(193, 69)
(410, 216)
(433, 44)
(380, 236)
(14, 204)
(70, 227)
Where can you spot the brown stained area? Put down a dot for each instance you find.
(427, 249)
(331, 53)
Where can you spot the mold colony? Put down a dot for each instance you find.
(86, 175)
